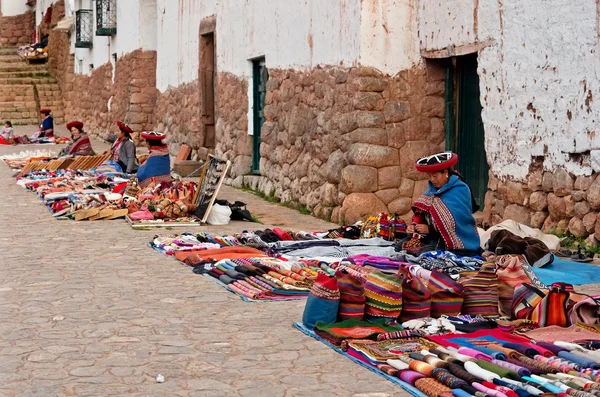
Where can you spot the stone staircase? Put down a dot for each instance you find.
(25, 89)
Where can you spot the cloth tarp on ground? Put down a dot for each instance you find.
(411, 389)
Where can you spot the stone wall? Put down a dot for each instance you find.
(18, 29)
(177, 113)
(556, 202)
(340, 141)
(95, 99)
(98, 102)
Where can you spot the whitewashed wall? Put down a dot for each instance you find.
(538, 80)
(13, 7)
(388, 36)
(136, 28)
(292, 34)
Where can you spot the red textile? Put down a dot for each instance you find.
(222, 253)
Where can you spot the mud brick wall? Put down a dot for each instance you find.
(17, 30)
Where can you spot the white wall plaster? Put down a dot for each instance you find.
(13, 7)
(292, 34)
(388, 36)
(136, 28)
(538, 82)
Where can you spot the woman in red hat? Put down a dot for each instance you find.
(158, 165)
(46, 128)
(123, 149)
(443, 215)
(81, 146)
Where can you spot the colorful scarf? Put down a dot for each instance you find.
(81, 146)
(450, 209)
(157, 167)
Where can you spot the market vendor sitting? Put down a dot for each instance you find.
(81, 146)
(443, 217)
(46, 130)
(158, 165)
(123, 150)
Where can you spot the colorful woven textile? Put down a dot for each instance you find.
(352, 329)
(510, 274)
(407, 333)
(446, 378)
(446, 295)
(380, 352)
(410, 377)
(552, 309)
(526, 298)
(322, 303)
(352, 296)
(416, 299)
(431, 387)
(481, 292)
(384, 296)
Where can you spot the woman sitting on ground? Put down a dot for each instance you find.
(46, 130)
(158, 165)
(6, 137)
(123, 149)
(443, 215)
(81, 146)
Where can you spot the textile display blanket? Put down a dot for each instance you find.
(487, 362)
(258, 266)
(243, 270)
(106, 193)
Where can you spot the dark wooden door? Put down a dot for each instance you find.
(468, 137)
(260, 75)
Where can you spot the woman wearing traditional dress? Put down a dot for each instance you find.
(123, 149)
(46, 128)
(158, 165)
(81, 146)
(443, 215)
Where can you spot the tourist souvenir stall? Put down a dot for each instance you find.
(94, 188)
(436, 324)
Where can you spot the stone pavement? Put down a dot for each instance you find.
(87, 309)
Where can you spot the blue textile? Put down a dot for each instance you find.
(584, 362)
(550, 387)
(48, 123)
(154, 166)
(570, 272)
(319, 309)
(460, 393)
(461, 230)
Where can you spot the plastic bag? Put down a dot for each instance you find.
(219, 215)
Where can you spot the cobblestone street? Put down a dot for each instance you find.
(87, 309)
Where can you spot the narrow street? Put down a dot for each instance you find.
(87, 309)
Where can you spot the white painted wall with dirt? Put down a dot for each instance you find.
(388, 35)
(292, 34)
(537, 80)
(136, 28)
(13, 7)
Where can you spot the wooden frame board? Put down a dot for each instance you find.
(155, 225)
(209, 184)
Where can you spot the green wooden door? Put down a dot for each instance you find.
(468, 139)
(260, 75)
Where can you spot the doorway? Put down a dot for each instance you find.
(260, 75)
(465, 134)
(207, 87)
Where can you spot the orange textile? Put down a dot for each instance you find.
(222, 253)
